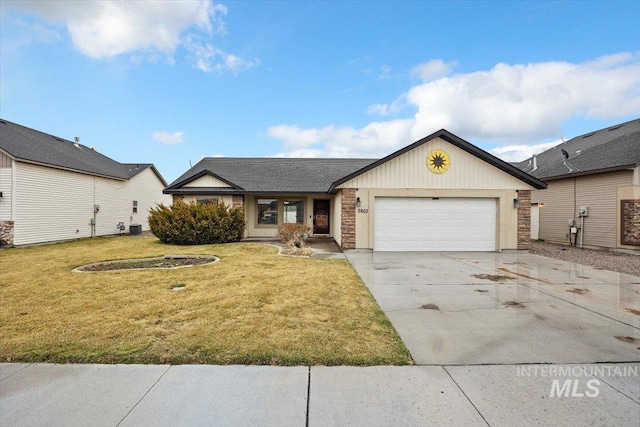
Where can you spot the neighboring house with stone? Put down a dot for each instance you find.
(599, 171)
(440, 193)
(53, 189)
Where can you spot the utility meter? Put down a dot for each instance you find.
(584, 211)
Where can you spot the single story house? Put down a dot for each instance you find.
(593, 193)
(53, 189)
(440, 193)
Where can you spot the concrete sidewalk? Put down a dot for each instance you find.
(188, 395)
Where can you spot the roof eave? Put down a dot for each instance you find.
(589, 172)
(200, 174)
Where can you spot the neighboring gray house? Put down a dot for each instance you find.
(53, 189)
(440, 193)
(599, 171)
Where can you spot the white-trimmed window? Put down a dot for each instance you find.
(135, 206)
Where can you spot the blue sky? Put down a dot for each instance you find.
(174, 81)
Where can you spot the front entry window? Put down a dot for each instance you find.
(293, 212)
(267, 211)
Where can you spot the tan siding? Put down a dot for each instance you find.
(410, 171)
(336, 218)
(5, 161)
(6, 188)
(207, 181)
(598, 192)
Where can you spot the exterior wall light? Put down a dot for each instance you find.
(358, 202)
(516, 203)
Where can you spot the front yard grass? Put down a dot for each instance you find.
(251, 307)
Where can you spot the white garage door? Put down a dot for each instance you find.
(419, 224)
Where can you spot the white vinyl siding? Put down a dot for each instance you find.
(53, 204)
(6, 188)
(424, 224)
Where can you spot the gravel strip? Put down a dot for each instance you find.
(602, 259)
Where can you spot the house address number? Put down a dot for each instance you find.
(363, 210)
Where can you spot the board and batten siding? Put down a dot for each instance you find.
(207, 181)
(409, 170)
(53, 204)
(563, 198)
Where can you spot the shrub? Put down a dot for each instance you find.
(196, 224)
(293, 235)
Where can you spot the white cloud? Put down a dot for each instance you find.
(517, 104)
(107, 28)
(167, 138)
(520, 152)
(432, 70)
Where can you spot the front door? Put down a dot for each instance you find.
(321, 216)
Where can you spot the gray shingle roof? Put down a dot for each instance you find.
(270, 175)
(289, 175)
(30, 145)
(615, 147)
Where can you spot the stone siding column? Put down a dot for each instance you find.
(524, 219)
(348, 227)
(6, 232)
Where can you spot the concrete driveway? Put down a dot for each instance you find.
(504, 308)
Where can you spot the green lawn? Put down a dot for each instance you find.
(251, 307)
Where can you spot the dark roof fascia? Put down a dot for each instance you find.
(49, 165)
(590, 172)
(460, 143)
(200, 175)
(226, 190)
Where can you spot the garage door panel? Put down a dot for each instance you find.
(419, 224)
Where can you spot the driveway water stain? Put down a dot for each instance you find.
(630, 340)
(537, 279)
(633, 311)
(429, 307)
(579, 291)
(481, 290)
(514, 304)
(493, 277)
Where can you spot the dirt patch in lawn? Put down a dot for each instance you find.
(167, 261)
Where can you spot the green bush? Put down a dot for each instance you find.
(196, 224)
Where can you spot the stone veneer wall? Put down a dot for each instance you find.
(238, 201)
(6, 232)
(348, 227)
(630, 233)
(524, 219)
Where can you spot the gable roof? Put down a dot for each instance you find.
(613, 148)
(460, 143)
(268, 175)
(32, 146)
(318, 175)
